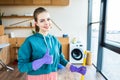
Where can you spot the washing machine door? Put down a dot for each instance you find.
(77, 54)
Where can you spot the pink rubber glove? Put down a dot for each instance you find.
(82, 70)
(47, 59)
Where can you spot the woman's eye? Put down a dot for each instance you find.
(42, 20)
(48, 19)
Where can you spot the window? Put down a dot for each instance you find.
(113, 23)
(95, 29)
(111, 64)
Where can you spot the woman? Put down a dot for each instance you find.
(41, 52)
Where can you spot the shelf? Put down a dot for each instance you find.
(3, 45)
(20, 27)
(5, 17)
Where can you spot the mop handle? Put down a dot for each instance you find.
(84, 63)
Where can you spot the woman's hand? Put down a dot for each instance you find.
(47, 59)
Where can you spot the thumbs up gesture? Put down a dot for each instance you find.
(48, 58)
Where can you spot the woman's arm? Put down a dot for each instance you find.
(24, 55)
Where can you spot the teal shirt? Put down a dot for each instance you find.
(34, 47)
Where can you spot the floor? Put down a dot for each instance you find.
(63, 74)
(90, 75)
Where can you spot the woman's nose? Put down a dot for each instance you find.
(46, 22)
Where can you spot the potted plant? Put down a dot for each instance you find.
(1, 15)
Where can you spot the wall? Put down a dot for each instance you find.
(71, 19)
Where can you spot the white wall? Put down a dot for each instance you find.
(71, 19)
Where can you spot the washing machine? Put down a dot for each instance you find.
(76, 53)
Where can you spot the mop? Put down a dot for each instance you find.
(84, 63)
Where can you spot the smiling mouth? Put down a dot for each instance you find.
(46, 27)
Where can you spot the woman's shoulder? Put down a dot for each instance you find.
(31, 37)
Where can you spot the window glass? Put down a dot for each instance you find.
(95, 29)
(111, 64)
(94, 42)
(113, 23)
(95, 10)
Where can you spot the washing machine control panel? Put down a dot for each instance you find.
(76, 45)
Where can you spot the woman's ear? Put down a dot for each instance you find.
(36, 27)
(35, 23)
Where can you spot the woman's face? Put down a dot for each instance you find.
(44, 22)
